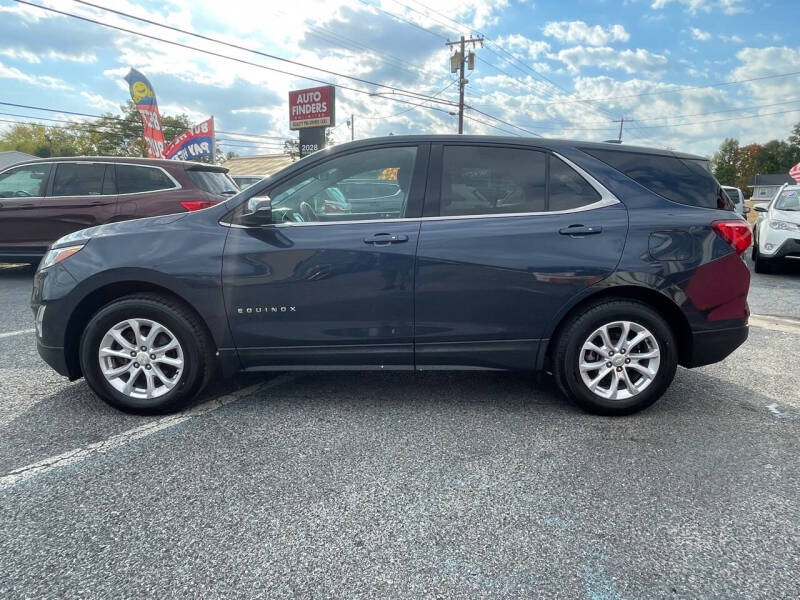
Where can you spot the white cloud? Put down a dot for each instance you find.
(699, 34)
(731, 39)
(729, 7)
(99, 102)
(37, 80)
(578, 32)
(630, 61)
(519, 44)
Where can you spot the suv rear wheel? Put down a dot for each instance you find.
(616, 357)
(146, 354)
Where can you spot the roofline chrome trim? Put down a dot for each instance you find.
(176, 184)
(607, 198)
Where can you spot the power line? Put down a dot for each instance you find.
(742, 118)
(131, 121)
(224, 56)
(223, 43)
(86, 128)
(402, 112)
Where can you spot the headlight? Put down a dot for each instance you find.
(784, 225)
(56, 255)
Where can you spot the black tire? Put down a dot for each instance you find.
(194, 339)
(580, 326)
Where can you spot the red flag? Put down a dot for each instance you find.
(145, 99)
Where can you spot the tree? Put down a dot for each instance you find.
(109, 135)
(725, 162)
(44, 141)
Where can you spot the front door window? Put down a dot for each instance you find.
(367, 185)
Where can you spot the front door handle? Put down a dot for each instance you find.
(384, 239)
(580, 230)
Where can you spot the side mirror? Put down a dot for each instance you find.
(762, 208)
(257, 212)
(746, 210)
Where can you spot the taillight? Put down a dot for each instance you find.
(736, 233)
(196, 205)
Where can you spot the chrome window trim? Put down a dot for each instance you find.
(176, 184)
(607, 198)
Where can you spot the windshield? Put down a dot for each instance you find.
(788, 200)
(733, 194)
(214, 182)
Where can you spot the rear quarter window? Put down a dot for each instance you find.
(134, 179)
(213, 182)
(682, 180)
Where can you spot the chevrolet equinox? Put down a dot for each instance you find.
(604, 265)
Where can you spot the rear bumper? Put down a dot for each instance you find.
(712, 346)
(55, 357)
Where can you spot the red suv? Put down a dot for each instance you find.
(43, 200)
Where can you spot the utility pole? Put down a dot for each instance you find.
(621, 123)
(457, 63)
(352, 127)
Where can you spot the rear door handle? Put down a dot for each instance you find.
(580, 230)
(384, 239)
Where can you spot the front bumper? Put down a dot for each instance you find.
(787, 249)
(54, 356)
(712, 346)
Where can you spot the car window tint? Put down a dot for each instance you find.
(686, 181)
(24, 181)
(478, 180)
(134, 179)
(568, 189)
(371, 184)
(78, 179)
(213, 182)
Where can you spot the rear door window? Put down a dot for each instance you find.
(137, 179)
(78, 179)
(485, 180)
(482, 180)
(25, 181)
(686, 181)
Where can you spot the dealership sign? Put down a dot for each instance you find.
(313, 107)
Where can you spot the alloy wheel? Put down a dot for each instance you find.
(619, 360)
(141, 358)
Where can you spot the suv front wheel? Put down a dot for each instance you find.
(146, 354)
(616, 357)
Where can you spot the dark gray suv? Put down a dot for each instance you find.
(605, 265)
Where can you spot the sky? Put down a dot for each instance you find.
(567, 69)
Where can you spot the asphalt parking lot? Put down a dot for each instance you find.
(436, 485)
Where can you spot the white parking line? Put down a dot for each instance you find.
(97, 448)
(13, 333)
(775, 323)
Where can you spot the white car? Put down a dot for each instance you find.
(777, 231)
(736, 196)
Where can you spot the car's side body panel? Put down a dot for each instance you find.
(487, 291)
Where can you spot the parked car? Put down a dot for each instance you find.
(245, 181)
(43, 200)
(606, 266)
(777, 230)
(736, 196)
